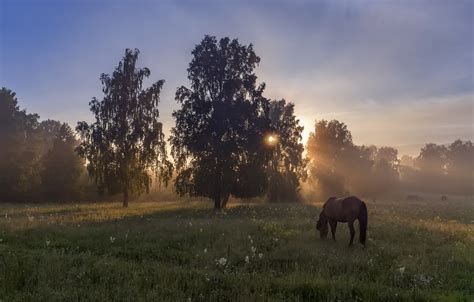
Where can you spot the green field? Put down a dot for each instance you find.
(185, 251)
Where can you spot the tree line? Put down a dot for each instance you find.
(228, 140)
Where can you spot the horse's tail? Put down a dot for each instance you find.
(363, 218)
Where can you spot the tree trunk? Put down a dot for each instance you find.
(224, 201)
(217, 202)
(125, 197)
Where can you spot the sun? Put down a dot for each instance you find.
(272, 139)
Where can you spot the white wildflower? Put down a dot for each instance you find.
(205, 251)
(48, 242)
(112, 239)
(253, 249)
(200, 230)
(260, 255)
(401, 270)
(1, 240)
(222, 261)
(190, 224)
(247, 260)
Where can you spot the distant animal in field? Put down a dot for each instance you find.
(444, 198)
(347, 210)
(414, 197)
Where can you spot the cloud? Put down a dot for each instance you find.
(397, 72)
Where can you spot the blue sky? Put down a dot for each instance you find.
(399, 73)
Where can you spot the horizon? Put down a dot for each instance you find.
(390, 71)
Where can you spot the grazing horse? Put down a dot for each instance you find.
(343, 210)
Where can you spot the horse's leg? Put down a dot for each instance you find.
(352, 230)
(333, 224)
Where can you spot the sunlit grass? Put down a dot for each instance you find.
(185, 250)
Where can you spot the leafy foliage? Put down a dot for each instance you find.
(61, 166)
(287, 165)
(126, 142)
(37, 159)
(328, 148)
(19, 159)
(217, 142)
(339, 167)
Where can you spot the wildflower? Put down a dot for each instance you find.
(260, 255)
(1, 240)
(190, 224)
(200, 230)
(205, 251)
(222, 261)
(247, 260)
(112, 239)
(253, 249)
(401, 270)
(48, 242)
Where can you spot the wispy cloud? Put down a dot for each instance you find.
(397, 72)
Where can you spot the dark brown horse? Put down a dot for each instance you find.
(343, 210)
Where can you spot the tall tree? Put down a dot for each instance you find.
(460, 166)
(61, 165)
(287, 166)
(125, 144)
(385, 170)
(217, 142)
(327, 149)
(19, 157)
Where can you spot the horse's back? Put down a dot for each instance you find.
(342, 209)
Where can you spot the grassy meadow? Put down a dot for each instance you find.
(185, 251)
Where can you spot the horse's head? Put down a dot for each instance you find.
(322, 225)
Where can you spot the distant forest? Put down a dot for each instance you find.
(228, 140)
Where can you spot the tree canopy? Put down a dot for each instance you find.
(37, 159)
(125, 147)
(287, 166)
(217, 141)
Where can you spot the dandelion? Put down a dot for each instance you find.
(112, 239)
(222, 261)
(247, 260)
(260, 255)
